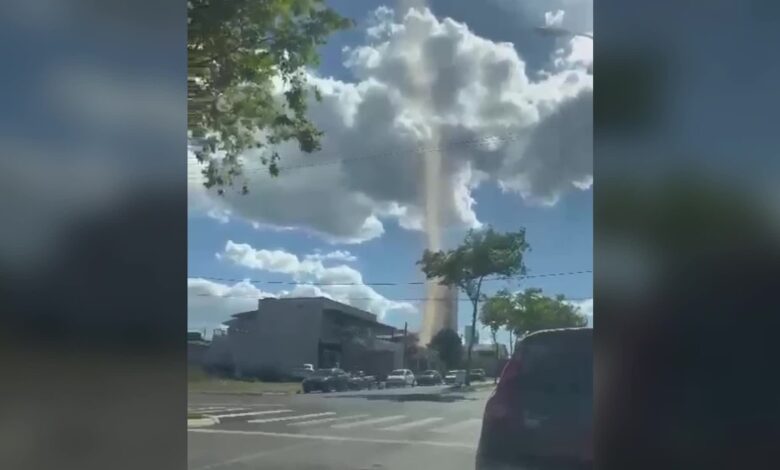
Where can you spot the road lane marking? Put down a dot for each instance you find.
(459, 426)
(411, 424)
(217, 410)
(252, 413)
(455, 445)
(326, 420)
(290, 418)
(367, 422)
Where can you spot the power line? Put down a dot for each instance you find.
(409, 283)
(347, 299)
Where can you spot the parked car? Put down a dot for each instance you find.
(359, 381)
(326, 380)
(477, 374)
(401, 378)
(541, 413)
(454, 376)
(430, 377)
(300, 373)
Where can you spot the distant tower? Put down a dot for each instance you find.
(440, 312)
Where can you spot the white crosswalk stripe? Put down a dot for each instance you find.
(326, 420)
(412, 424)
(459, 426)
(217, 410)
(252, 413)
(367, 422)
(290, 418)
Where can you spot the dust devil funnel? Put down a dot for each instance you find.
(440, 307)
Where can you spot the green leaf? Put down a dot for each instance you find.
(235, 48)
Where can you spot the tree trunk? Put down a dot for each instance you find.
(495, 346)
(511, 343)
(475, 302)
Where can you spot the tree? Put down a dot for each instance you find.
(495, 314)
(447, 344)
(534, 311)
(238, 51)
(483, 253)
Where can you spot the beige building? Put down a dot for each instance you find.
(484, 357)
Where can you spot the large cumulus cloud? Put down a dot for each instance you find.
(318, 274)
(315, 278)
(422, 85)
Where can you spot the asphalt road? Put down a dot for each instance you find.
(420, 427)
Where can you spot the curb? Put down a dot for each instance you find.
(258, 394)
(202, 422)
(470, 388)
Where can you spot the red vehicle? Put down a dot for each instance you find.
(541, 413)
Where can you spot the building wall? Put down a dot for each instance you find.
(219, 356)
(375, 357)
(484, 357)
(282, 335)
(196, 352)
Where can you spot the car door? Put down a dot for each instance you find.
(338, 379)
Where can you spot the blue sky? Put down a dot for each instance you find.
(270, 224)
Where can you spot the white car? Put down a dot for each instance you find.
(401, 378)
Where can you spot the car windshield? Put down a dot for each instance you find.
(430, 372)
(323, 372)
(398, 372)
(558, 358)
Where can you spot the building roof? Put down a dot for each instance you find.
(325, 304)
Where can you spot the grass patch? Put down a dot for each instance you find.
(200, 381)
(196, 374)
(240, 386)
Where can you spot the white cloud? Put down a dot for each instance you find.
(210, 303)
(338, 255)
(341, 282)
(416, 78)
(575, 15)
(553, 18)
(220, 215)
(586, 308)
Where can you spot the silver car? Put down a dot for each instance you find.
(401, 378)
